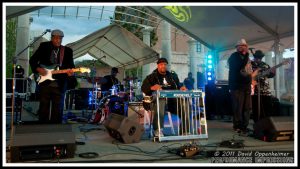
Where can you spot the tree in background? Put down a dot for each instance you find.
(90, 64)
(11, 35)
(132, 20)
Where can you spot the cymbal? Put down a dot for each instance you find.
(94, 79)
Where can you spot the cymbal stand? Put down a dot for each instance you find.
(94, 89)
(131, 97)
(258, 98)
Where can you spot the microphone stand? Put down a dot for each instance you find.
(258, 98)
(15, 58)
(258, 91)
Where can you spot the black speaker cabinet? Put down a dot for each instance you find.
(279, 128)
(20, 86)
(123, 129)
(42, 141)
(81, 98)
(222, 100)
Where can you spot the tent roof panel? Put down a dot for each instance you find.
(220, 27)
(116, 47)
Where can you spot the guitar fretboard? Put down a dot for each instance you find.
(64, 71)
(269, 70)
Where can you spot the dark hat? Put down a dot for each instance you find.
(258, 54)
(161, 60)
(57, 32)
(114, 69)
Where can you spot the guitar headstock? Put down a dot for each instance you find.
(84, 70)
(287, 61)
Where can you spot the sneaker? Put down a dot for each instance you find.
(158, 134)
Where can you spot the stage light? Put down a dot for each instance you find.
(209, 68)
(19, 72)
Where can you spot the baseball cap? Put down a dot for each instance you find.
(57, 32)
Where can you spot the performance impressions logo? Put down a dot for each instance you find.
(229, 156)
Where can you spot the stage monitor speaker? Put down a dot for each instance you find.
(123, 129)
(279, 128)
(42, 141)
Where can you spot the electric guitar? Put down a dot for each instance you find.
(265, 73)
(50, 71)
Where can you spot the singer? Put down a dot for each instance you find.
(239, 79)
(53, 92)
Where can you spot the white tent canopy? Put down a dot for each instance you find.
(220, 27)
(116, 47)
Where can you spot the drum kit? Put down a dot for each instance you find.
(113, 101)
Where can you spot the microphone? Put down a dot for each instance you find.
(251, 49)
(48, 30)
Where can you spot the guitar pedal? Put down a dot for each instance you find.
(188, 150)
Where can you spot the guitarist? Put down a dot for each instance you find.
(53, 92)
(264, 88)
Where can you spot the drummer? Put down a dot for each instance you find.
(110, 80)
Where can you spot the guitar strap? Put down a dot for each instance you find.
(62, 52)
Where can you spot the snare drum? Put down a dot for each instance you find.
(114, 90)
(120, 88)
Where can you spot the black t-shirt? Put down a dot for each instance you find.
(110, 81)
(167, 82)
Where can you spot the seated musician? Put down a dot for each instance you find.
(109, 81)
(161, 79)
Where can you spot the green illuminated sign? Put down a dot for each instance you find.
(181, 13)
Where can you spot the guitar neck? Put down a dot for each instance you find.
(269, 70)
(277, 66)
(64, 71)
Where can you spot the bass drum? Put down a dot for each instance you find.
(101, 113)
(116, 105)
(107, 105)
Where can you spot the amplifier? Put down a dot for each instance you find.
(20, 86)
(48, 141)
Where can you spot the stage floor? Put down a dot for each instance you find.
(95, 139)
